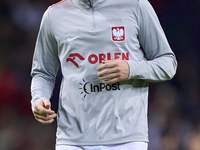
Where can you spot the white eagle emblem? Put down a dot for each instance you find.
(118, 34)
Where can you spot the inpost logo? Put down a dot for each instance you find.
(88, 87)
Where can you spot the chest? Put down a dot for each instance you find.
(103, 25)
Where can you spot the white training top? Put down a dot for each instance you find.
(78, 35)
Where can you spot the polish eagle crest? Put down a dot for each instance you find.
(118, 34)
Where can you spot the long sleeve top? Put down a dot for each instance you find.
(77, 35)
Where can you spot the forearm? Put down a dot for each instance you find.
(157, 70)
(41, 88)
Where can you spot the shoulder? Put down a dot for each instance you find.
(144, 3)
(53, 11)
(56, 10)
(60, 3)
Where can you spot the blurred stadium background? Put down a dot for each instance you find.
(174, 106)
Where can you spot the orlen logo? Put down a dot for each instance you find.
(97, 58)
(72, 58)
(88, 87)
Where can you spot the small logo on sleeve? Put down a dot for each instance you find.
(118, 34)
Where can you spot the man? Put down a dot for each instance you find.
(108, 50)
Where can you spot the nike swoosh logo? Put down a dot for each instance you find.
(69, 39)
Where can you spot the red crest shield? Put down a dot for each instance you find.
(118, 33)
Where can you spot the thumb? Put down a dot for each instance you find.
(47, 103)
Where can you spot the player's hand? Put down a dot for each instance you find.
(112, 71)
(43, 113)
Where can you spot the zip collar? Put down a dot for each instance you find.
(89, 3)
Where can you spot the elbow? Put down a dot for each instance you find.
(172, 71)
(170, 75)
(168, 69)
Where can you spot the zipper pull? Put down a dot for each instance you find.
(90, 4)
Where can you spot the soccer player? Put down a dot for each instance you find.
(108, 51)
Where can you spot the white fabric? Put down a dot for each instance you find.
(127, 146)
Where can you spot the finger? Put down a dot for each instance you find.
(42, 104)
(101, 67)
(47, 103)
(45, 122)
(43, 111)
(111, 81)
(109, 76)
(105, 65)
(41, 108)
(107, 71)
(108, 61)
(48, 117)
(45, 117)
